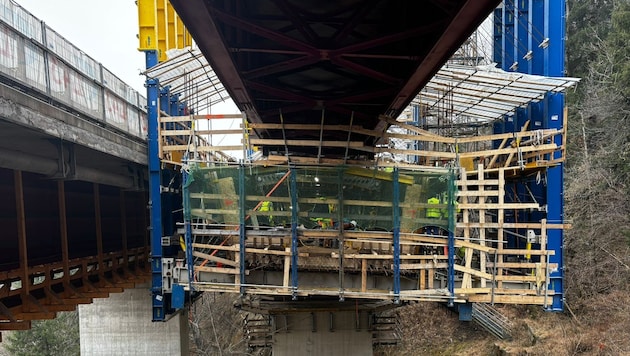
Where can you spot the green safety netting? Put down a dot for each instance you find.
(327, 197)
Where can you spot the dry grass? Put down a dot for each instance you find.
(602, 327)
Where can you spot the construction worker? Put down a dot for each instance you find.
(267, 206)
(433, 212)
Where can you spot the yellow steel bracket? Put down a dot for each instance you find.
(160, 28)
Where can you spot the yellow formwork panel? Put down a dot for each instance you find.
(160, 28)
(147, 22)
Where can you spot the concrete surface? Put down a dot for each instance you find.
(121, 325)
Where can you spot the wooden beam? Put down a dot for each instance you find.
(215, 258)
(218, 270)
(15, 325)
(309, 143)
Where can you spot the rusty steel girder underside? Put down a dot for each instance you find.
(339, 62)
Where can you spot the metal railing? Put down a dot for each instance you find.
(491, 320)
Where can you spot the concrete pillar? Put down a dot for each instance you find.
(338, 333)
(121, 325)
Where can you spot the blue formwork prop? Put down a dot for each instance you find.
(155, 185)
(178, 298)
(529, 38)
(465, 311)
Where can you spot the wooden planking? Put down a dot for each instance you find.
(472, 272)
(209, 257)
(192, 148)
(189, 118)
(507, 299)
(308, 143)
(218, 270)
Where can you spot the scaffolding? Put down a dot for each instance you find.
(373, 230)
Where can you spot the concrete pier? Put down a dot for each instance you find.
(339, 333)
(121, 325)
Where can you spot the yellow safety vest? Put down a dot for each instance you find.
(266, 206)
(433, 212)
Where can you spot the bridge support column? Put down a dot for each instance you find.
(335, 333)
(121, 325)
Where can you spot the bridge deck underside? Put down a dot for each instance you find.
(338, 62)
(65, 243)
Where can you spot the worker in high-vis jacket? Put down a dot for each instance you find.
(433, 212)
(267, 206)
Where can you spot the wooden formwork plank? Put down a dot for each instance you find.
(495, 206)
(287, 269)
(516, 144)
(421, 266)
(476, 193)
(217, 247)
(209, 257)
(466, 279)
(192, 148)
(528, 225)
(363, 275)
(188, 132)
(482, 219)
(526, 252)
(500, 223)
(308, 143)
(476, 182)
(499, 291)
(518, 265)
(473, 272)
(507, 299)
(218, 270)
(495, 155)
(512, 150)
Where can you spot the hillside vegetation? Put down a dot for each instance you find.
(597, 192)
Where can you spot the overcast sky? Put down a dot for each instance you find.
(104, 30)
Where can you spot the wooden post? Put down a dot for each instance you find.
(466, 280)
(363, 275)
(423, 279)
(500, 221)
(482, 220)
(287, 269)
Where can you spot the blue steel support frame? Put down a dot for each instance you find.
(396, 233)
(174, 105)
(521, 27)
(536, 26)
(155, 189)
(294, 233)
(554, 66)
(508, 39)
(241, 225)
(548, 15)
